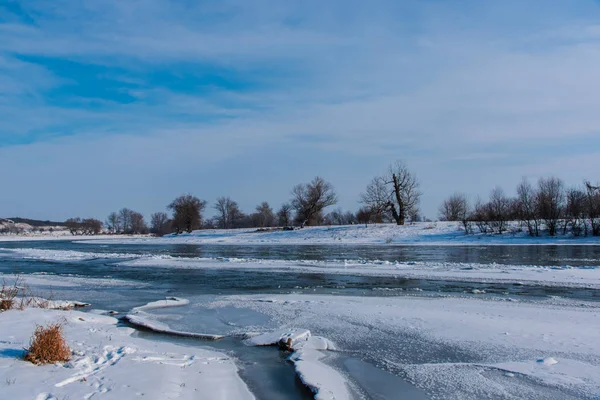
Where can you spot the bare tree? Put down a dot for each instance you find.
(310, 199)
(229, 213)
(551, 202)
(454, 208)
(125, 220)
(339, 217)
(187, 213)
(160, 224)
(527, 207)
(593, 207)
(138, 224)
(396, 192)
(499, 209)
(480, 216)
(74, 225)
(364, 216)
(113, 222)
(264, 215)
(575, 212)
(91, 226)
(284, 215)
(335, 217)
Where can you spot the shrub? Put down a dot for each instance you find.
(8, 295)
(48, 345)
(6, 304)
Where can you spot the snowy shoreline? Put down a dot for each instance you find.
(64, 237)
(107, 360)
(519, 340)
(419, 234)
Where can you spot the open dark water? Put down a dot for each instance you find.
(184, 282)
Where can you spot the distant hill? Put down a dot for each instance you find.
(32, 222)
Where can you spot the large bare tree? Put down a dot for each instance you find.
(310, 199)
(187, 213)
(396, 192)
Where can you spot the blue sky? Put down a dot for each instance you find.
(117, 103)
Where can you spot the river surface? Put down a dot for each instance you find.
(266, 371)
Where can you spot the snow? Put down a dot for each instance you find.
(168, 302)
(50, 280)
(422, 233)
(459, 342)
(108, 361)
(272, 338)
(324, 381)
(61, 235)
(61, 255)
(553, 372)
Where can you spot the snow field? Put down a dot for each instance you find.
(421, 233)
(109, 363)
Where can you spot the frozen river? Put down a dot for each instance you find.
(409, 322)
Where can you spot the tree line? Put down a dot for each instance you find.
(393, 196)
(548, 207)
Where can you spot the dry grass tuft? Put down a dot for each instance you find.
(8, 293)
(48, 345)
(19, 295)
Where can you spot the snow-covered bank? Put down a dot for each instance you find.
(456, 348)
(108, 361)
(64, 235)
(419, 234)
(61, 255)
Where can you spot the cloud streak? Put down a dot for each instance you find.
(178, 96)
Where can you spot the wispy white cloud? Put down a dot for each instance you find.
(432, 82)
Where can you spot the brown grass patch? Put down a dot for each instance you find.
(48, 345)
(8, 293)
(19, 295)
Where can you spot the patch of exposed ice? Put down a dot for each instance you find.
(138, 316)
